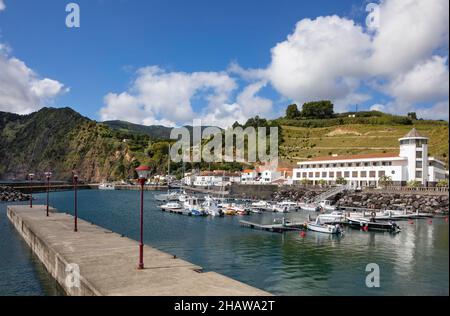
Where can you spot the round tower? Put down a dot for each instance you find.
(414, 147)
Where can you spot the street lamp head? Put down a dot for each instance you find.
(143, 172)
(31, 176)
(75, 174)
(48, 174)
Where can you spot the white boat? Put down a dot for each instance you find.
(171, 196)
(333, 217)
(171, 206)
(280, 209)
(211, 207)
(309, 207)
(193, 207)
(261, 205)
(317, 226)
(106, 186)
(327, 206)
(291, 206)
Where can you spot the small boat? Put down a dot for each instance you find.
(171, 206)
(210, 206)
(106, 186)
(333, 217)
(309, 207)
(193, 207)
(319, 227)
(327, 206)
(291, 206)
(372, 224)
(171, 196)
(280, 209)
(261, 205)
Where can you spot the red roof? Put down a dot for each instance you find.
(355, 157)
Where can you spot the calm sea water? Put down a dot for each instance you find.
(414, 262)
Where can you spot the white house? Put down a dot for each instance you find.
(216, 178)
(412, 163)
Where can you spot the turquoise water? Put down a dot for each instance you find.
(414, 262)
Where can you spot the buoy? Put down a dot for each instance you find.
(430, 221)
(366, 228)
(302, 234)
(446, 219)
(411, 222)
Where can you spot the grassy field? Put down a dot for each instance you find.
(301, 143)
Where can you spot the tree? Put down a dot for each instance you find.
(413, 184)
(341, 181)
(442, 183)
(322, 182)
(305, 182)
(412, 115)
(292, 112)
(385, 181)
(318, 110)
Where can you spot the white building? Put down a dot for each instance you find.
(412, 163)
(216, 178)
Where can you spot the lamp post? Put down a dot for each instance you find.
(30, 177)
(75, 184)
(48, 175)
(143, 172)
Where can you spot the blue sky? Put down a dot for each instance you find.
(118, 40)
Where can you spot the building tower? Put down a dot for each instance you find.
(414, 147)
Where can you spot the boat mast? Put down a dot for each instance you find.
(168, 172)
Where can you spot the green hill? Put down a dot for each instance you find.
(153, 131)
(300, 143)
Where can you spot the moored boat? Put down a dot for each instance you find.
(309, 207)
(327, 205)
(372, 224)
(319, 227)
(106, 186)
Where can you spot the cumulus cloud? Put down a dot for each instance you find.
(159, 96)
(2, 5)
(21, 89)
(333, 57)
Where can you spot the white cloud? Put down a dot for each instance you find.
(2, 5)
(160, 96)
(21, 89)
(428, 81)
(410, 31)
(332, 57)
(320, 60)
(439, 110)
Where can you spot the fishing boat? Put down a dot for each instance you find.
(261, 205)
(319, 227)
(372, 224)
(280, 209)
(333, 217)
(171, 206)
(193, 207)
(291, 206)
(211, 207)
(106, 186)
(309, 207)
(170, 196)
(327, 206)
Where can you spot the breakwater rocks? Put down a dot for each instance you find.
(8, 194)
(296, 194)
(423, 203)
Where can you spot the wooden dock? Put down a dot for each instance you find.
(275, 228)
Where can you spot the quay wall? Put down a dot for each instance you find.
(107, 262)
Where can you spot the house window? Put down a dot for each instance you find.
(339, 174)
(324, 174)
(311, 174)
(418, 174)
(317, 174)
(375, 163)
(419, 154)
(305, 175)
(363, 174)
(342, 165)
(355, 174)
(381, 174)
(298, 174)
(419, 164)
(372, 174)
(346, 174)
(366, 164)
(331, 174)
(358, 164)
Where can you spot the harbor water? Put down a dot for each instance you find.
(413, 262)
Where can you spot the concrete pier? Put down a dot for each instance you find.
(107, 261)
